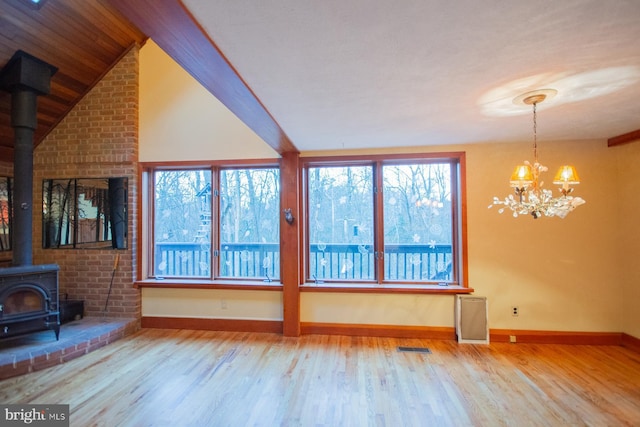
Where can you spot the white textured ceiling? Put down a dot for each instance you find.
(340, 74)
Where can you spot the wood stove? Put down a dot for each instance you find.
(28, 293)
(29, 300)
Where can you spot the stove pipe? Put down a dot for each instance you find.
(25, 77)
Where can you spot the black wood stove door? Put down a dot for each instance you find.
(29, 300)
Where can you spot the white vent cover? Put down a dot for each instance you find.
(472, 319)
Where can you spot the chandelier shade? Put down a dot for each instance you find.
(531, 198)
(567, 175)
(522, 176)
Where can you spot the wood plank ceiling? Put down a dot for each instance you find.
(83, 39)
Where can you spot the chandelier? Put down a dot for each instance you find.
(530, 197)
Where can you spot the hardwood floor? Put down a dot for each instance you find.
(203, 378)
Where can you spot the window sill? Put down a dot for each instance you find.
(308, 287)
(385, 289)
(209, 284)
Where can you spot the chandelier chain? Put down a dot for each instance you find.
(535, 134)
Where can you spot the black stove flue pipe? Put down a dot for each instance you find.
(25, 77)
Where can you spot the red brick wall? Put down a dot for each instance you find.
(97, 139)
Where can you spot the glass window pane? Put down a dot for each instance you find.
(182, 228)
(341, 223)
(249, 223)
(87, 213)
(418, 229)
(5, 213)
(58, 213)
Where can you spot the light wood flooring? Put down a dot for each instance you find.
(203, 378)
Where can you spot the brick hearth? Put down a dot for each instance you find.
(28, 353)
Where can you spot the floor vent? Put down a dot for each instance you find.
(415, 349)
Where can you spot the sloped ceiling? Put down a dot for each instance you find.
(83, 39)
(333, 74)
(337, 74)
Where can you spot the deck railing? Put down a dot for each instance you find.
(236, 260)
(326, 262)
(401, 262)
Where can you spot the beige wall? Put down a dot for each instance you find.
(564, 275)
(628, 159)
(212, 303)
(377, 309)
(179, 120)
(561, 273)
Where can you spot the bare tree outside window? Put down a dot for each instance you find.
(182, 223)
(249, 223)
(417, 221)
(5, 213)
(341, 222)
(383, 220)
(84, 213)
(228, 215)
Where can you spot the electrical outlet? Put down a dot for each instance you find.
(512, 338)
(223, 304)
(515, 311)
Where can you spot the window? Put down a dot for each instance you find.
(341, 224)
(249, 223)
(214, 222)
(84, 213)
(182, 223)
(5, 213)
(384, 220)
(418, 226)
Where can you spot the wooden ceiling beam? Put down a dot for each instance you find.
(171, 26)
(624, 138)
